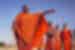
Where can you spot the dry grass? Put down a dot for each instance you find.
(15, 48)
(8, 48)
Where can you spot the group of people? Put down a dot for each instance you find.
(33, 32)
(56, 37)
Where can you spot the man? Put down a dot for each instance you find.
(29, 28)
(49, 36)
(57, 39)
(66, 37)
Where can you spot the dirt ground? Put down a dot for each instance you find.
(15, 48)
(8, 48)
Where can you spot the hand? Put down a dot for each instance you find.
(49, 11)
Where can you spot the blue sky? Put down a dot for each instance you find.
(9, 8)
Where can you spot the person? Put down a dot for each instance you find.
(66, 37)
(49, 36)
(57, 39)
(29, 28)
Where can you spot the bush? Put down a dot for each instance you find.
(1, 44)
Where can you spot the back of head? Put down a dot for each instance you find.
(65, 26)
(25, 8)
(57, 27)
(50, 23)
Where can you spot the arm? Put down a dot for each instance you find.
(70, 33)
(16, 25)
(16, 29)
(42, 13)
(49, 11)
(18, 32)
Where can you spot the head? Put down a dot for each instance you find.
(65, 26)
(57, 27)
(25, 8)
(49, 24)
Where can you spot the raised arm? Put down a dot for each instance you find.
(49, 11)
(43, 13)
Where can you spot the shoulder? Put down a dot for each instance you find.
(19, 14)
(38, 13)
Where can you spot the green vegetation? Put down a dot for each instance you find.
(1, 44)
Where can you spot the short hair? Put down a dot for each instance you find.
(49, 23)
(57, 26)
(24, 6)
(65, 25)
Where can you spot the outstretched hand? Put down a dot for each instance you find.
(49, 11)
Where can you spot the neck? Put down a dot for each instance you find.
(25, 12)
(66, 28)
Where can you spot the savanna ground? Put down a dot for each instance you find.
(15, 48)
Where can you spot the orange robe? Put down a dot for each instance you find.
(30, 28)
(57, 40)
(66, 37)
(49, 38)
(49, 42)
(40, 32)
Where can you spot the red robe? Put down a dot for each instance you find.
(29, 29)
(41, 30)
(66, 37)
